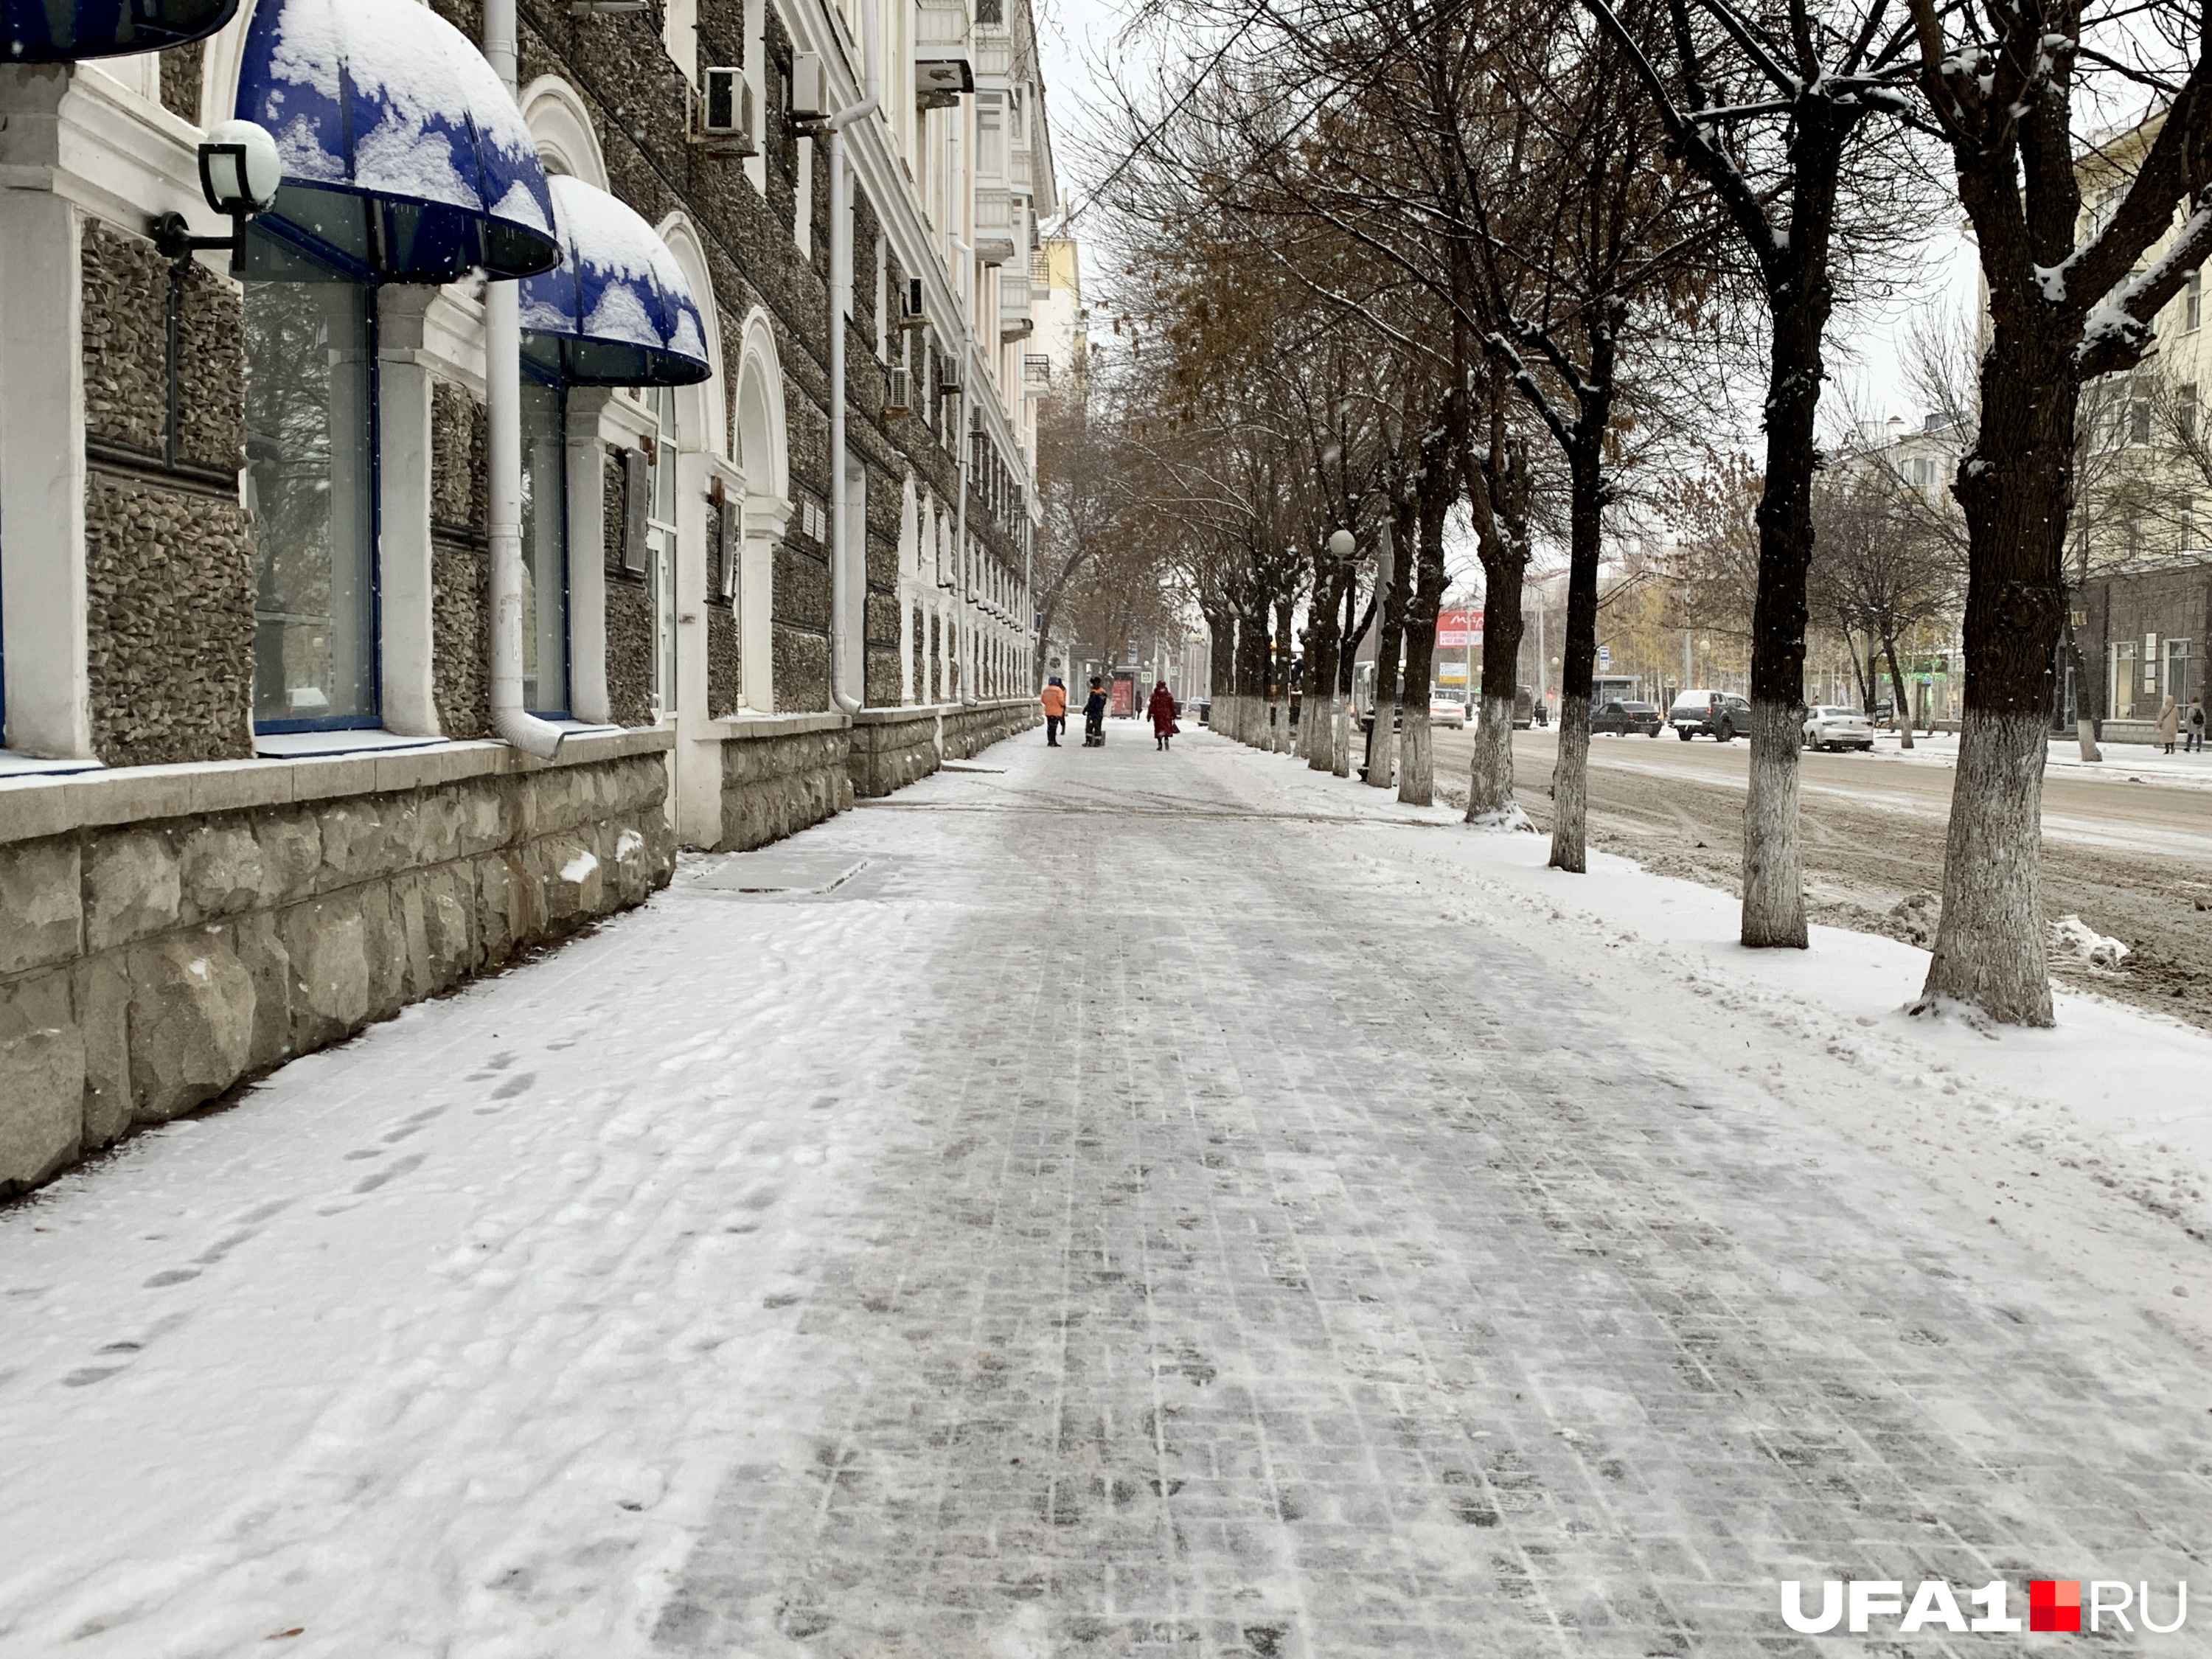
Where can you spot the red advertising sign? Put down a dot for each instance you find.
(1459, 630)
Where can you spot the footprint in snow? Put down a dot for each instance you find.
(515, 1086)
(370, 1183)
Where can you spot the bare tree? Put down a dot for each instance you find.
(2003, 79)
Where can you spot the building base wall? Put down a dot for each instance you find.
(895, 747)
(779, 774)
(168, 933)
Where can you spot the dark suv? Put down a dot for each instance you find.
(1626, 720)
(1714, 714)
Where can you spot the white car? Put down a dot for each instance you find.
(1828, 726)
(1447, 710)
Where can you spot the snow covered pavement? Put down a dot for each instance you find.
(1106, 1202)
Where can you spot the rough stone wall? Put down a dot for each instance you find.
(775, 785)
(180, 80)
(169, 599)
(126, 294)
(629, 652)
(168, 555)
(630, 612)
(889, 754)
(460, 574)
(891, 749)
(147, 968)
(725, 678)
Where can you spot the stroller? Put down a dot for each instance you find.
(1094, 734)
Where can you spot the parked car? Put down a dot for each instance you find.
(1714, 714)
(1626, 720)
(1446, 709)
(1829, 726)
(1524, 708)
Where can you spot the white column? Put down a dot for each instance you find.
(42, 471)
(765, 517)
(405, 581)
(587, 556)
(698, 752)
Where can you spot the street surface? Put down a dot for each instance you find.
(1102, 1202)
(2127, 849)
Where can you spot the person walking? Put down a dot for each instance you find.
(2169, 725)
(1162, 708)
(1094, 716)
(1055, 711)
(2193, 728)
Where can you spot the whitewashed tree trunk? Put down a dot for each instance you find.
(1339, 761)
(1490, 803)
(1570, 787)
(1383, 761)
(2085, 731)
(1773, 873)
(1990, 943)
(1317, 727)
(1417, 775)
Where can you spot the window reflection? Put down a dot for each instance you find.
(310, 446)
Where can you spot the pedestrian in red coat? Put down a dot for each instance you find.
(1162, 708)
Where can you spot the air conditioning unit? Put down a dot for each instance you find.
(725, 111)
(810, 87)
(911, 314)
(898, 395)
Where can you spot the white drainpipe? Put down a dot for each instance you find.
(841, 299)
(503, 404)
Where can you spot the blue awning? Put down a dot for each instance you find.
(404, 158)
(616, 310)
(61, 31)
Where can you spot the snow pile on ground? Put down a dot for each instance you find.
(2072, 937)
(2123, 762)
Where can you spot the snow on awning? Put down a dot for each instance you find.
(616, 310)
(62, 31)
(404, 158)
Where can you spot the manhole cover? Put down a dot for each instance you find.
(780, 869)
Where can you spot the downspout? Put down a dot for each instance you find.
(841, 300)
(502, 317)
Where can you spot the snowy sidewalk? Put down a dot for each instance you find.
(1101, 1201)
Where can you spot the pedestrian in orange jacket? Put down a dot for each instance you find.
(1055, 711)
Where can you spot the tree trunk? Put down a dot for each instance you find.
(2085, 724)
(1381, 740)
(1221, 660)
(1570, 777)
(1901, 712)
(1438, 487)
(2015, 487)
(1340, 759)
(1490, 799)
(1316, 723)
(1773, 869)
(1279, 734)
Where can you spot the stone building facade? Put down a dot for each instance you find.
(253, 792)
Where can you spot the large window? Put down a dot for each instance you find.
(311, 488)
(544, 549)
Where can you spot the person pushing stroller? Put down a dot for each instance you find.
(1094, 715)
